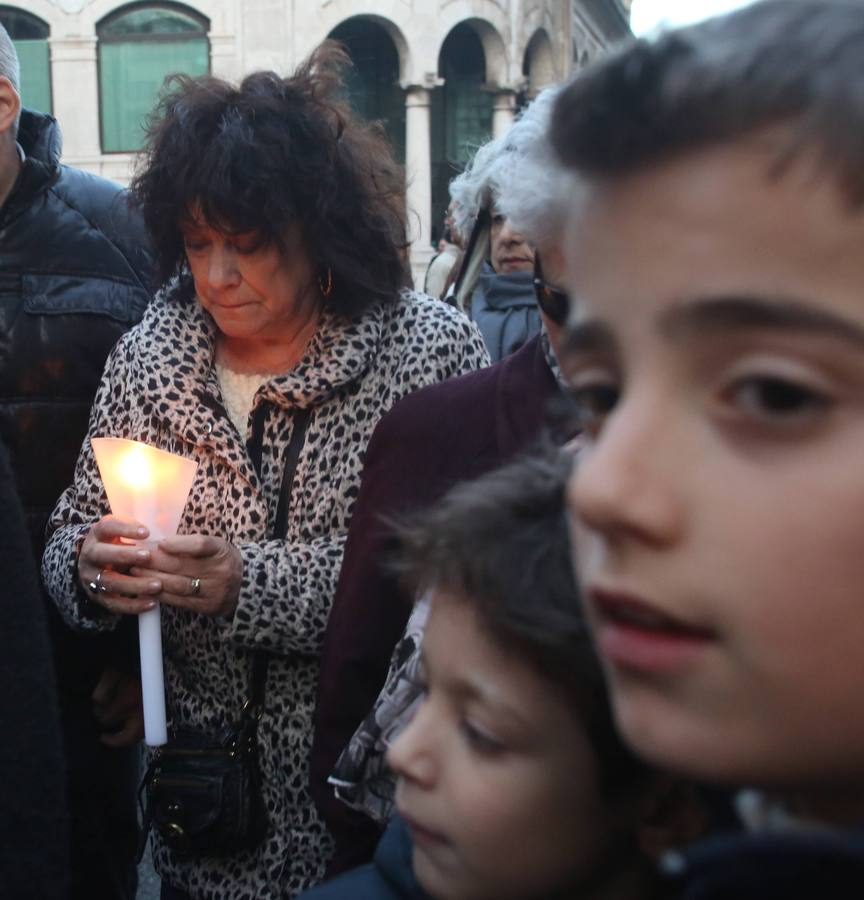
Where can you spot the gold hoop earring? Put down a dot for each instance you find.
(326, 289)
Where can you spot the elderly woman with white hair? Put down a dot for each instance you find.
(494, 201)
(455, 431)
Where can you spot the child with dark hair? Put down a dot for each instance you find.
(512, 782)
(717, 360)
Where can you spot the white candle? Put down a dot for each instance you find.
(152, 677)
(151, 486)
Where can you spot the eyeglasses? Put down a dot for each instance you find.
(552, 301)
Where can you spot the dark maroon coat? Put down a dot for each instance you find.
(430, 440)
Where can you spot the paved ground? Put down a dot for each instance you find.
(148, 880)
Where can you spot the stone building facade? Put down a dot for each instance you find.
(443, 75)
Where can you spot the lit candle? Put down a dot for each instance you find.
(150, 486)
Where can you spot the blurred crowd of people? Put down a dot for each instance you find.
(541, 582)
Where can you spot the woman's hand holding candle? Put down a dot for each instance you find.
(106, 563)
(197, 572)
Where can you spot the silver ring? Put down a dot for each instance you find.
(195, 586)
(97, 584)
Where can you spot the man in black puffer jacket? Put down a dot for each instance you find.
(75, 273)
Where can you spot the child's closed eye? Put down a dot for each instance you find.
(479, 739)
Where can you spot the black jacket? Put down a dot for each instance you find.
(74, 275)
(34, 829)
(797, 865)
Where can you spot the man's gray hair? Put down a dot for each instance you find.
(518, 174)
(9, 65)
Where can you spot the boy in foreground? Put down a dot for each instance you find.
(512, 782)
(716, 355)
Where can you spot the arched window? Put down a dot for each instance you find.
(461, 114)
(30, 37)
(538, 66)
(373, 82)
(138, 48)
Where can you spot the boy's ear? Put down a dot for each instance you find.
(10, 105)
(673, 815)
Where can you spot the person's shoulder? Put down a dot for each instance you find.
(157, 322)
(463, 399)
(429, 331)
(88, 191)
(416, 309)
(774, 865)
(103, 203)
(389, 877)
(82, 178)
(365, 883)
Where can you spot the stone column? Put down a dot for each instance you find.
(224, 61)
(503, 111)
(418, 165)
(76, 99)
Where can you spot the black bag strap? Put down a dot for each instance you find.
(292, 457)
(261, 662)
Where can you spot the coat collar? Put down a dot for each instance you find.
(393, 860)
(181, 378)
(39, 138)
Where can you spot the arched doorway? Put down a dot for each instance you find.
(373, 82)
(30, 37)
(461, 114)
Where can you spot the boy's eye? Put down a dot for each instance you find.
(591, 404)
(194, 245)
(479, 740)
(770, 397)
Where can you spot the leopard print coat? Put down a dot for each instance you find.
(160, 386)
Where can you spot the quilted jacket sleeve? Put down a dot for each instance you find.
(286, 594)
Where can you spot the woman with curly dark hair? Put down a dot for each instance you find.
(282, 335)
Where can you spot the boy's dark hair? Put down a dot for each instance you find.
(272, 152)
(501, 544)
(797, 63)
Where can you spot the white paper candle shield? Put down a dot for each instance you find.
(150, 486)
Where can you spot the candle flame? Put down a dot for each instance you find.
(135, 468)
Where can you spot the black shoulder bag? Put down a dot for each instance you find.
(202, 792)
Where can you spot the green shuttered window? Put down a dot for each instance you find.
(30, 37)
(138, 49)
